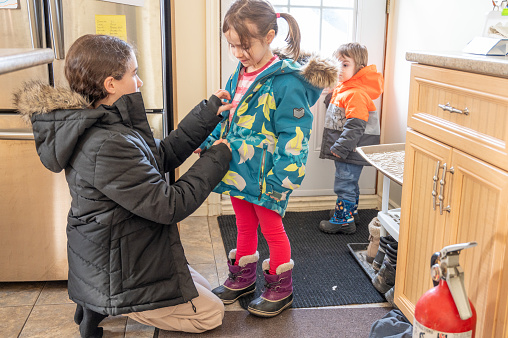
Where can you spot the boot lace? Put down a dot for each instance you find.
(274, 285)
(233, 276)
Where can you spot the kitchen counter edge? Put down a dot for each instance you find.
(481, 64)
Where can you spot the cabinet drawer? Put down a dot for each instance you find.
(464, 110)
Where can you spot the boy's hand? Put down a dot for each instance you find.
(335, 154)
(224, 97)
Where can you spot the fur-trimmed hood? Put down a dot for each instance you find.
(59, 118)
(318, 71)
(38, 98)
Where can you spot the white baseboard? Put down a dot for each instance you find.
(313, 203)
(217, 205)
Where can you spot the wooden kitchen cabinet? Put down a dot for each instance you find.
(469, 150)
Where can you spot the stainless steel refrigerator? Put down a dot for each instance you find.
(34, 202)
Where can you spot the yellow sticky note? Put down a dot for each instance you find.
(114, 25)
(9, 4)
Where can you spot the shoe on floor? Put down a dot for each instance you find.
(380, 255)
(374, 237)
(389, 296)
(278, 292)
(241, 280)
(391, 252)
(384, 280)
(342, 220)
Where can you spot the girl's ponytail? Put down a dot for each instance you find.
(293, 38)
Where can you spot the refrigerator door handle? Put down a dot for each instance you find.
(35, 22)
(56, 28)
(16, 135)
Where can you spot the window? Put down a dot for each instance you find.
(324, 24)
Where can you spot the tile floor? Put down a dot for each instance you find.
(43, 309)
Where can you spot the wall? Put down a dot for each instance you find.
(190, 53)
(421, 25)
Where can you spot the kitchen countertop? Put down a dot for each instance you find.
(481, 64)
(12, 59)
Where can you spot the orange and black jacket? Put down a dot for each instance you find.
(351, 118)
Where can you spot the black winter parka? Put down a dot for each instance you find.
(124, 248)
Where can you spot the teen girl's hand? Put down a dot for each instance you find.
(198, 151)
(224, 97)
(219, 141)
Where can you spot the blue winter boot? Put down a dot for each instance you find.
(342, 220)
(355, 211)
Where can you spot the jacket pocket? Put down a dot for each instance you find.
(146, 257)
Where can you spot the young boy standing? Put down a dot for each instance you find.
(351, 121)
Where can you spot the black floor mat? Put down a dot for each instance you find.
(325, 272)
(353, 322)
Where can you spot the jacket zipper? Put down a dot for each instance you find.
(251, 88)
(262, 171)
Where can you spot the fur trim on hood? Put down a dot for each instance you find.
(35, 97)
(55, 114)
(318, 71)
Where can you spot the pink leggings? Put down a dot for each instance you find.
(248, 216)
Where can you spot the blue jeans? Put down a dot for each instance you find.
(346, 181)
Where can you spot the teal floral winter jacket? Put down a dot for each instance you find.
(270, 129)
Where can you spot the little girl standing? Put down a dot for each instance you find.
(268, 129)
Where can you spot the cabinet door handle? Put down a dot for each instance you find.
(442, 183)
(435, 178)
(447, 107)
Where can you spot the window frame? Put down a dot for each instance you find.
(287, 8)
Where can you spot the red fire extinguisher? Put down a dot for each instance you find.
(445, 310)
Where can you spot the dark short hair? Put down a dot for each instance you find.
(91, 59)
(355, 51)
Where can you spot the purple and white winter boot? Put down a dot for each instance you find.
(278, 293)
(241, 280)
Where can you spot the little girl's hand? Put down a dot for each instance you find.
(224, 97)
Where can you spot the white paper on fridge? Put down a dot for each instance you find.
(139, 3)
(487, 46)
